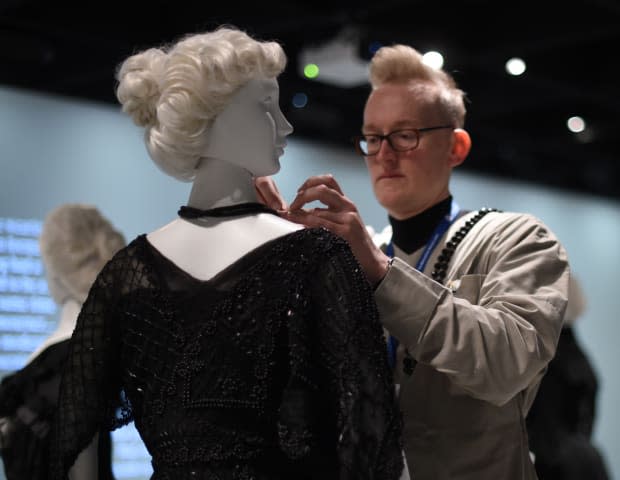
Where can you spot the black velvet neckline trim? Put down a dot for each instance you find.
(227, 211)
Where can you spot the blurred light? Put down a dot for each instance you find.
(300, 100)
(374, 46)
(576, 124)
(311, 70)
(433, 59)
(515, 66)
(339, 60)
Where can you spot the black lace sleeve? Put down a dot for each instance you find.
(351, 377)
(90, 397)
(27, 404)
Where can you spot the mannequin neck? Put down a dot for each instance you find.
(69, 312)
(68, 315)
(219, 183)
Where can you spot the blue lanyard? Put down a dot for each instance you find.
(439, 231)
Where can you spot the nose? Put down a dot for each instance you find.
(283, 125)
(386, 153)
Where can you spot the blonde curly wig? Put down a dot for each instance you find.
(176, 92)
(76, 241)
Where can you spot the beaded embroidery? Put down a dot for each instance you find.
(274, 368)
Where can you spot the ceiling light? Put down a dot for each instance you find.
(515, 66)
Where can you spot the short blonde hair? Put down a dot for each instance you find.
(404, 64)
(176, 92)
(76, 241)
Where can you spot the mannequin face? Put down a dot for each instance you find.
(251, 131)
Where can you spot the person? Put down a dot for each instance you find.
(473, 300)
(242, 345)
(76, 240)
(561, 420)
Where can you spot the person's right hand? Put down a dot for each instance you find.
(341, 218)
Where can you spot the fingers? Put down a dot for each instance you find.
(269, 194)
(349, 226)
(324, 190)
(340, 223)
(315, 219)
(325, 179)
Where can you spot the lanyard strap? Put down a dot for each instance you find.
(439, 231)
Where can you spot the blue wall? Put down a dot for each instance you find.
(53, 150)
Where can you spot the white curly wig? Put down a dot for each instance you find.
(76, 241)
(176, 92)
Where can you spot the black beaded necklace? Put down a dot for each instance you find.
(441, 266)
(227, 211)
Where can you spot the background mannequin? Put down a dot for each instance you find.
(561, 420)
(242, 345)
(75, 242)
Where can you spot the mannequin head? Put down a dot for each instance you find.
(76, 242)
(178, 92)
(251, 131)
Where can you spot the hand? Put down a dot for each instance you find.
(341, 218)
(268, 193)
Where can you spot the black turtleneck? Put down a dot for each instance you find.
(414, 232)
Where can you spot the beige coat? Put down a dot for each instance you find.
(482, 343)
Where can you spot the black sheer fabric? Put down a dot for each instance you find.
(276, 368)
(561, 420)
(28, 399)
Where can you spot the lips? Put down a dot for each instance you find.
(388, 176)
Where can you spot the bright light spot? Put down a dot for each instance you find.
(576, 124)
(300, 100)
(311, 70)
(515, 66)
(433, 60)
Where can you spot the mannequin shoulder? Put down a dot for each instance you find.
(321, 244)
(277, 224)
(254, 230)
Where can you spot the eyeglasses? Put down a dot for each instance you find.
(399, 140)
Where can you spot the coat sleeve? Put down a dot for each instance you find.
(494, 342)
(90, 398)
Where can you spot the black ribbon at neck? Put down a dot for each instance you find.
(227, 211)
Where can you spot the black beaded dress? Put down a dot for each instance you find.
(28, 399)
(276, 368)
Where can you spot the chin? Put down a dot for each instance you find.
(266, 172)
(388, 201)
(388, 197)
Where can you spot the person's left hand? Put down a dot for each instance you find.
(269, 194)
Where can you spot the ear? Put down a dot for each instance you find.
(461, 145)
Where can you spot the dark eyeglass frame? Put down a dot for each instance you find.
(359, 138)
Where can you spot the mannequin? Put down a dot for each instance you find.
(69, 310)
(242, 345)
(562, 417)
(225, 176)
(75, 242)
